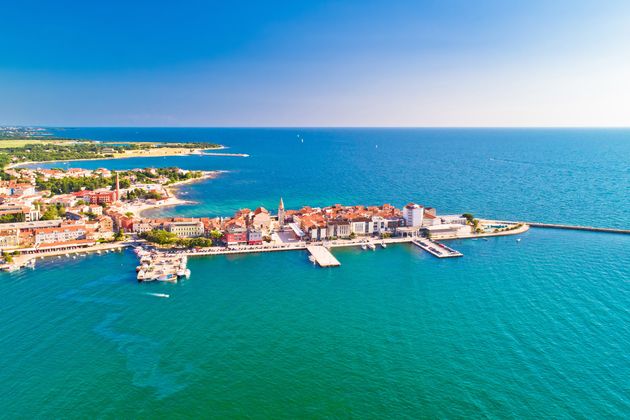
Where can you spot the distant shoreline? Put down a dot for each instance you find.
(150, 153)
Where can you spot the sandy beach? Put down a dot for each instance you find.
(143, 153)
(172, 200)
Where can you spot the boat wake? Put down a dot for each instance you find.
(160, 295)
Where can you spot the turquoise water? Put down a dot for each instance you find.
(533, 328)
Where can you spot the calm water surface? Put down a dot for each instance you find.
(534, 328)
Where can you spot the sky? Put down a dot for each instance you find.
(445, 63)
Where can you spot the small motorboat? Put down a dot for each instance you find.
(168, 277)
(363, 247)
(160, 295)
(312, 259)
(383, 244)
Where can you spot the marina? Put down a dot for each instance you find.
(160, 266)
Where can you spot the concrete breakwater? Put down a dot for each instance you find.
(573, 227)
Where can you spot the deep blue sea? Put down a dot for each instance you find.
(536, 328)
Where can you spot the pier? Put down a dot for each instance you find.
(436, 249)
(322, 256)
(571, 227)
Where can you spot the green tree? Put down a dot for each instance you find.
(119, 236)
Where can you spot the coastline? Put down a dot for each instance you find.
(172, 199)
(149, 153)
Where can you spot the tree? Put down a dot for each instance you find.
(160, 236)
(469, 217)
(51, 213)
(119, 236)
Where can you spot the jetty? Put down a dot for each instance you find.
(436, 249)
(572, 227)
(323, 256)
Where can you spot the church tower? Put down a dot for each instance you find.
(281, 213)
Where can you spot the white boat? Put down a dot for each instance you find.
(181, 272)
(363, 246)
(187, 273)
(168, 277)
(312, 259)
(518, 240)
(372, 246)
(11, 268)
(160, 295)
(383, 244)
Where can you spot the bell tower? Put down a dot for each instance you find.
(281, 213)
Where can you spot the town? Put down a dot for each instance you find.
(57, 212)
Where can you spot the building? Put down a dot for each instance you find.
(413, 215)
(102, 197)
(361, 226)
(281, 214)
(9, 238)
(338, 229)
(106, 224)
(235, 234)
(59, 234)
(261, 219)
(189, 229)
(26, 213)
(254, 237)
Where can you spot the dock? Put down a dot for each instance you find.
(322, 256)
(436, 249)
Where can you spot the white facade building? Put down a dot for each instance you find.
(413, 215)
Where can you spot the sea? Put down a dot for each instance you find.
(536, 328)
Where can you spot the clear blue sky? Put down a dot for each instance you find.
(293, 63)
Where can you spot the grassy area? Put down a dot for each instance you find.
(13, 143)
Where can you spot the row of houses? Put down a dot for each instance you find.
(51, 233)
(347, 221)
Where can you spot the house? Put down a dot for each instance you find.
(186, 229)
(254, 236)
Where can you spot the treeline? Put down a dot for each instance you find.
(163, 237)
(172, 173)
(68, 184)
(12, 218)
(143, 195)
(48, 152)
